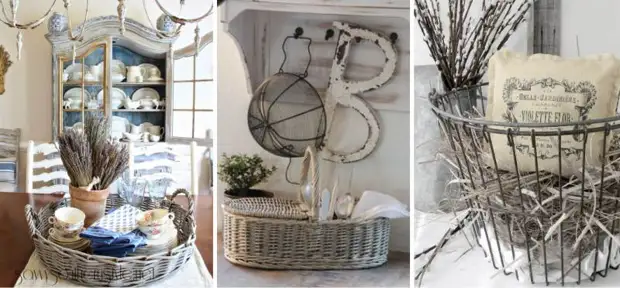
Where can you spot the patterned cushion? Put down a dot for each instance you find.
(8, 169)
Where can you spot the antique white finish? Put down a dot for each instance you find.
(122, 14)
(258, 28)
(345, 92)
(70, 30)
(183, 21)
(137, 37)
(379, 8)
(36, 161)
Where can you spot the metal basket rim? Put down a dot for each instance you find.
(581, 127)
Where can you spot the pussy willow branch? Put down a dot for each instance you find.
(461, 50)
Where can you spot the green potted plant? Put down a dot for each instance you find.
(242, 172)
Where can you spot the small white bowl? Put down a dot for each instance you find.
(132, 137)
(117, 78)
(131, 105)
(154, 138)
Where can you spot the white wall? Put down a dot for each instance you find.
(518, 41)
(596, 23)
(27, 102)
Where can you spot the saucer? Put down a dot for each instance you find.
(79, 244)
(155, 79)
(63, 239)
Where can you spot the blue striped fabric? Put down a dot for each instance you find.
(7, 170)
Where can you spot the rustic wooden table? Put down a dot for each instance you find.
(16, 245)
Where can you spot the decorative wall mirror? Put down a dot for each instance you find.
(5, 63)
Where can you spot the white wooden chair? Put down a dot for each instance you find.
(45, 172)
(167, 165)
(9, 159)
(154, 162)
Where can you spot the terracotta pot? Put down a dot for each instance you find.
(92, 203)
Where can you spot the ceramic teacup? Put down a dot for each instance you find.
(68, 221)
(153, 223)
(154, 73)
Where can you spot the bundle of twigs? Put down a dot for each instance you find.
(88, 154)
(461, 50)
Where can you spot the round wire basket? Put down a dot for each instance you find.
(543, 224)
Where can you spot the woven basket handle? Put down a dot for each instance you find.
(31, 218)
(310, 169)
(190, 200)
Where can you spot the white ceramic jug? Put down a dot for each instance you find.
(133, 72)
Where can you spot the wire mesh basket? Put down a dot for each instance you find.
(544, 225)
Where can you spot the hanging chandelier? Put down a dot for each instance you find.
(9, 18)
(75, 38)
(169, 25)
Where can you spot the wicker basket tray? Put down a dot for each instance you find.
(285, 234)
(95, 270)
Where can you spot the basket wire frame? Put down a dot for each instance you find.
(455, 111)
(269, 130)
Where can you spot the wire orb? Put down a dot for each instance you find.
(286, 115)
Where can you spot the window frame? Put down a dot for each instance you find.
(174, 55)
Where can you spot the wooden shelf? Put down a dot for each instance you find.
(80, 110)
(138, 110)
(125, 84)
(79, 83)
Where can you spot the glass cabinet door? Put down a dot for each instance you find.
(83, 86)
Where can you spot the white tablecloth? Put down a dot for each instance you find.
(193, 274)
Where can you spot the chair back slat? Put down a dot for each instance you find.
(9, 156)
(163, 162)
(45, 172)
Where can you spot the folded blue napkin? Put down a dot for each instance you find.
(109, 243)
(130, 239)
(99, 234)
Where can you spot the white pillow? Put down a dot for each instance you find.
(549, 89)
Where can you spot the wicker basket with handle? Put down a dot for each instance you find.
(273, 233)
(94, 270)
